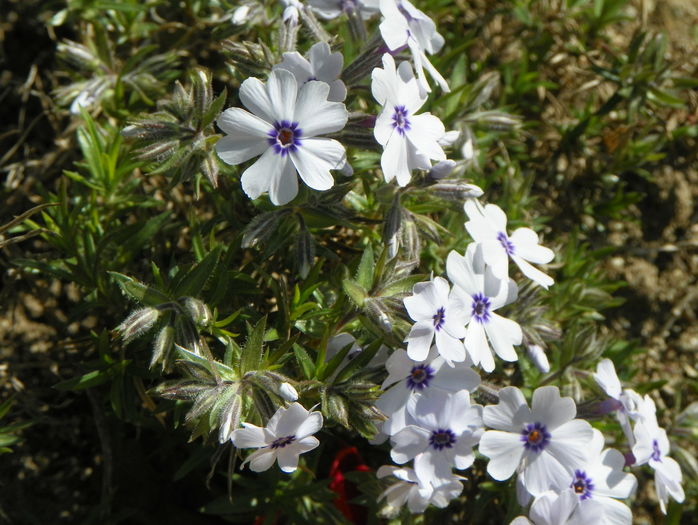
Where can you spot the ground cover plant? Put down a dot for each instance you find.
(349, 262)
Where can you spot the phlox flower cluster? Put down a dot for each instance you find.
(460, 324)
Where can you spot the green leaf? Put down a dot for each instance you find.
(90, 379)
(193, 283)
(304, 361)
(139, 291)
(252, 352)
(355, 291)
(225, 372)
(364, 273)
(325, 370)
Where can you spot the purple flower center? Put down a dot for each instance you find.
(439, 318)
(419, 377)
(656, 453)
(400, 121)
(285, 137)
(442, 438)
(535, 437)
(481, 308)
(282, 441)
(582, 485)
(506, 243)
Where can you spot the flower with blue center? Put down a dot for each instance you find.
(410, 140)
(652, 447)
(545, 444)
(408, 378)
(288, 434)
(445, 428)
(283, 126)
(483, 293)
(488, 227)
(439, 316)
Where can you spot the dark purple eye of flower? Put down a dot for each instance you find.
(439, 318)
(442, 438)
(656, 453)
(582, 485)
(535, 437)
(282, 441)
(481, 308)
(419, 377)
(285, 137)
(505, 242)
(400, 121)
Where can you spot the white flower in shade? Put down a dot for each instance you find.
(445, 430)
(553, 508)
(283, 127)
(407, 489)
(545, 443)
(408, 378)
(288, 434)
(405, 25)
(439, 316)
(329, 9)
(599, 483)
(321, 64)
(624, 402)
(488, 227)
(409, 140)
(652, 447)
(483, 293)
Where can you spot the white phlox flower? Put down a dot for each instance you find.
(408, 378)
(488, 227)
(545, 443)
(439, 316)
(599, 483)
(483, 293)
(321, 64)
(407, 489)
(283, 128)
(329, 9)
(624, 402)
(552, 508)
(288, 434)
(409, 139)
(445, 430)
(405, 25)
(652, 447)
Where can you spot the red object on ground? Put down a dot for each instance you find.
(347, 460)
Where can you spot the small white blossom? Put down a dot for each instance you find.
(483, 293)
(288, 434)
(445, 430)
(321, 64)
(408, 378)
(409, 139)
(287, 391)
(407, 489)
(652, 447)
(283, 128)
(488, 227)
(405, 25)
(545, 443)
(439, 316)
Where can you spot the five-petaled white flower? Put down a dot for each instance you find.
(288, 434)
(599, 483)
(409, 140)
(445, 430)
(407, 489)
(408, 378)
(405, 25)
(439, 316)
(488, 227)
(483, 293)
(321, 64)
(283, 127)
(545, 442)
(652, 447)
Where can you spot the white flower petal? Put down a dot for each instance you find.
(394, 160)
(316, 116)
(510, 413)
(533, 273)
(407, 443)
(282, 89)
(549, 408)
(525, 242)
(449, 347)
(261, 460)
(249, 437)
(254, 97)
(419, 340)
(544, 471)
(256, 179)
(314, 159)
(311, 425)
(504, 449)
(504, 333)
(569, 443)
(424, 132)
(477, 346)
(607, 378)
(283, 183)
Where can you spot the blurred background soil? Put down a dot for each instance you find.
(57, 471)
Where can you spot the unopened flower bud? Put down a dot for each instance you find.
(442, 169)
(162, 345)
(537, 355)
(455, 190)
(138, 323)
(288, 392)
(197, 310)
